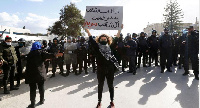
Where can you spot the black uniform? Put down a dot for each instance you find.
(122, 52)
(82, 51)
(165, 45)
(46, 49)
(56, 48)
(131, 53)
(175, 51)
(181, 50)
(142, 50)
(191, 52)
(92, 56)
(153, 51)
(19, 65)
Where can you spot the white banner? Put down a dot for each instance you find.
(104, 17)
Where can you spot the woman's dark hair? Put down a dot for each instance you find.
(109, 39)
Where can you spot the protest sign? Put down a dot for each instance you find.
(104, 17)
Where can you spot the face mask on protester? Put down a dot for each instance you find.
(8, 43)
(103, 42)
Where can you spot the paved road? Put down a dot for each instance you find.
(147, 89)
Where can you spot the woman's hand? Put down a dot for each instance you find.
(87, 30)
(119, 31)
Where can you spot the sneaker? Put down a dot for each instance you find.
(186, 73)
(169, 70)
(6, 92)
(14, 88)
(179, 67)
(99, 105)
(112, 105)
(196, 77)
(18, 85)
(53, 75)
(42, 101)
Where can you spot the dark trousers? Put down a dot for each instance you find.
(80, 62)
(55, 62)
(153, 55)
(165, 59)
(132, 67)
(124, 62)
(19, 72)
(9, 72)
(108, 73)
(33, 87)
(174, 56)
(46, 63)
(144, 55)
(181, 60)
(195, 63)
(68, 67)
(93, 59)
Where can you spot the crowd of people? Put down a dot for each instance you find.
(103, 52)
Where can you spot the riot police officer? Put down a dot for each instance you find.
(134, 37)
(142, 49)
(46, 49)
(165, 45)
(8, 59)
(175, 49)
(191, 52)
(182, 48)
(131, 47)
(82, 48)
(122, 51)
(153, 51)
(56, 48)
(70, 55)
(92, 55)
(21, 43)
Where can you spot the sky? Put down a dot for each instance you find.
(38, 15)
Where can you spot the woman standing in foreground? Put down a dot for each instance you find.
(35, 73)
(105, 64)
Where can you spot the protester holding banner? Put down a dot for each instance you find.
(105, 64)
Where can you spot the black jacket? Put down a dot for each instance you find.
(153, 42)
(165, 42)
(35, 68)
(133, 47)
(142, 44)
(101, 61)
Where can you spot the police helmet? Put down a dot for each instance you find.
(121, 34)
(142, 33)
(128, 34)
(166, 29)
(21, 40)
(78, 37)
(154, 31)
(134, 34)
(69, 38)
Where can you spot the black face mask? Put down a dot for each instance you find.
(103, 42)
(166, 33)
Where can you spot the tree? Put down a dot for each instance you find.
(57, 29)
(173, 15)
(70, 22)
